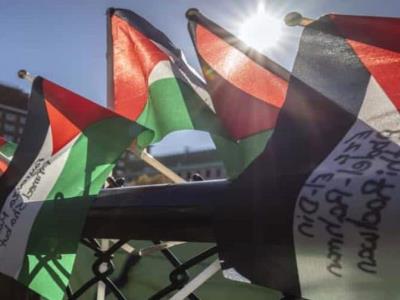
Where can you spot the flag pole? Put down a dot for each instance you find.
(143, 155)
(296, 19)
(24, 74)
(156, 164)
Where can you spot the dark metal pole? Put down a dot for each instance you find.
(159, 212)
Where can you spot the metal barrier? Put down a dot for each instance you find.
(184, 212)
(188, 216)
(103, 268)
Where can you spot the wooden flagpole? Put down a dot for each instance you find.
(151, 161)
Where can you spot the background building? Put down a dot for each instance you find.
(205, 163)
(13, 110)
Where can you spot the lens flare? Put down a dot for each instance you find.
(261, 30)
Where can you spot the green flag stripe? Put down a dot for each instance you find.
(174, 105)
(58, 225)
(202, 116)
(165, 111)
(237, 156)
(8, 149)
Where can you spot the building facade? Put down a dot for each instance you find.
(13, 111)
(205, 163)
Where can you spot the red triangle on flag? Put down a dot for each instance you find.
(3, 166)
(246, 96)
(134, 57)
(2, 141)
(375, 41)
(69, 113)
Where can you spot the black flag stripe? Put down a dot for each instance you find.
(34, 135)
(255, 235)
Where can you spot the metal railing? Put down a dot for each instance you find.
(184, 212)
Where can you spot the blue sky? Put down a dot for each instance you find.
(64, 40)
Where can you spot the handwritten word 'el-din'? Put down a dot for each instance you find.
(362, 174)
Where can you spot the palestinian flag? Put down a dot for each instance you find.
(63, 159)
(151, 82)
(7, 150)
(247, 88)
(321, 214)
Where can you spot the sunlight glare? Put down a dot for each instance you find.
(261, 31)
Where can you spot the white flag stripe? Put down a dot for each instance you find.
(345, 222)
(31, 192)
(176, 62)
(162, 70)
(377, 110)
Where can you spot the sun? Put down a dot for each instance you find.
(261, 30)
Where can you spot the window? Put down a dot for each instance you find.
(9, 137)
(11, 117)
(9, 128)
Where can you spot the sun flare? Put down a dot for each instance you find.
(261, 30)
